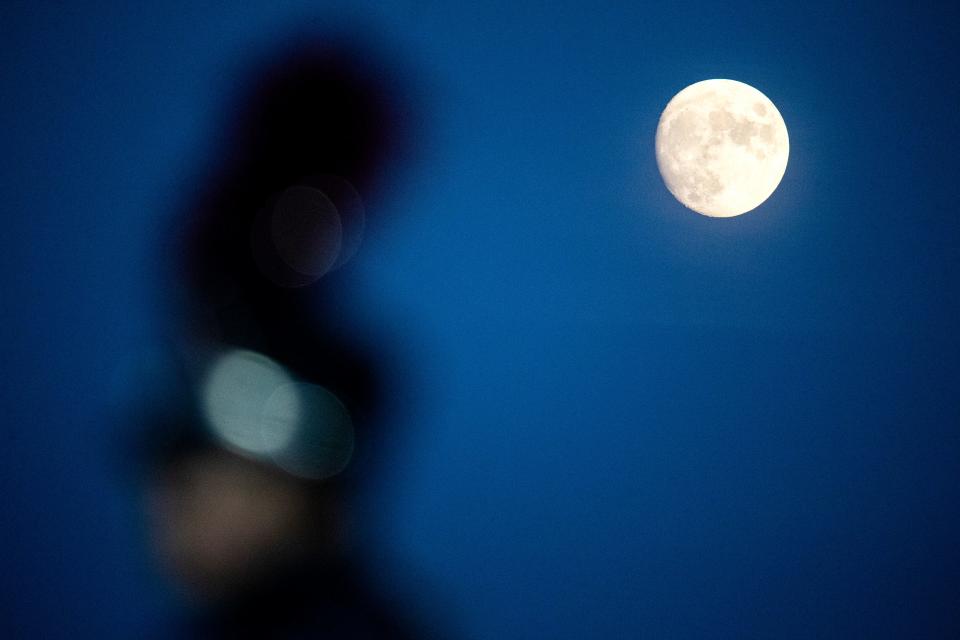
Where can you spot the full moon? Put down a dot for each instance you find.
(722, 147)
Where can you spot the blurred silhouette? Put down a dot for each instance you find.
(252, 438)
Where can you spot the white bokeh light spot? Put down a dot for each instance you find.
(235, 397)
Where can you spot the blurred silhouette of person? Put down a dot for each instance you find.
(252, 444)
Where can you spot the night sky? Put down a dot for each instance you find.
(620, 419)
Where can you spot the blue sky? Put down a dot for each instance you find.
(625, 419)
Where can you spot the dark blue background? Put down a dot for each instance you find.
(630, 420)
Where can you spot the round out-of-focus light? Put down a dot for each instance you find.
(323, 442)
(349, 205)
(297, 238)
(236, 396)
(306, 230)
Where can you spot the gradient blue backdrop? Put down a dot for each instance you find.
(630, 421)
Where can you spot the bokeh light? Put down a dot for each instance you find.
(349, 205)
(256, 408)
(306, 230)
(323, 442)
(235, 397)
(297, 237)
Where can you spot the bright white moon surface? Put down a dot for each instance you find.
(722, 147)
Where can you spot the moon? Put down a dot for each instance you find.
(722, 147)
